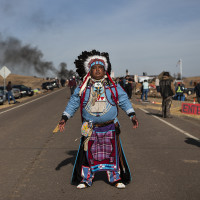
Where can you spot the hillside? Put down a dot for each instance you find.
(187, 81)
(28, 81)
(35, 82)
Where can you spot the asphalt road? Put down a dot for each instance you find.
(35, 164)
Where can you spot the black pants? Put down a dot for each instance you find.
(198, 99)
(72, 89)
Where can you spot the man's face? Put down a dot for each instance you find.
(97, 72)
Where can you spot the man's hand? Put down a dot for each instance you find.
(135, 122)
(62, 125)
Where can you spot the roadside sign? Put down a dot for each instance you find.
(4, 72)
(189, 108)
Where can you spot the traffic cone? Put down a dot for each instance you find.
(194, 101)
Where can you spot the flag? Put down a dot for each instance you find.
(56, 129)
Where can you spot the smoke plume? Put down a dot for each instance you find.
(64, 73)
(24, 59)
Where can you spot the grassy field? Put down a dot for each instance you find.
(28, 81)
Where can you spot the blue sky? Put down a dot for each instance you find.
(140, 35)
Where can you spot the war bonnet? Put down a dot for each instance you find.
(87, 59)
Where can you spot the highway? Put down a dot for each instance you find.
(35, 164)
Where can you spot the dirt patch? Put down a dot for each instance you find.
(156, 104)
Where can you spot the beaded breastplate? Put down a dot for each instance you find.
(97, 104)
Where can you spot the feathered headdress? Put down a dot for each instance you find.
(83, 65)
(87, 59)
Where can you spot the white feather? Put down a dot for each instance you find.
(87, 69)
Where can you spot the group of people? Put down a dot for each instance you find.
(168, 90)
(128, 84)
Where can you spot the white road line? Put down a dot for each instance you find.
(30, 101)
(178, 129)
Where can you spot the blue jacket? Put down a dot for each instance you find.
(111, 108)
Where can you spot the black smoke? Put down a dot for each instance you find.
(64, 73)
(24, 59)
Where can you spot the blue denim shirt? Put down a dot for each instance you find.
(124, 104)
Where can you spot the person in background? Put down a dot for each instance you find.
(167, 90)
(179, 92)
(126, 86)
(121, 82)
(10, 94)
(145, 90)
(197, 90)
(157, 84)
(134, 87)
(130, 87)
(72, 84)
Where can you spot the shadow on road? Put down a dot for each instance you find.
(67, 161)
(192, 141)
(100, 176)
(156, 114)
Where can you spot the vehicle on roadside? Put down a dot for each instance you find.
(189, 91)
(24, 90)
(15, 91)
(2, 97)
(55, 84)
(47, 86)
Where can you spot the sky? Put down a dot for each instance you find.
(139, 35)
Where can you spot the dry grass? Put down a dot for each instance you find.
(193, 79)
(28, 81)
(156, 104)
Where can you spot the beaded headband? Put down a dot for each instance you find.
(94, 60)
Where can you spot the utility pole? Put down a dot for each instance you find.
(179, 64)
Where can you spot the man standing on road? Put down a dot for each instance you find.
(10, 94)
(98, 98)
(167, 90)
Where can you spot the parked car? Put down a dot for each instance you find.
(24, 90)
(16, 92)
(2, 97)
(47, 86)
(55, 84)
(189, 91)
